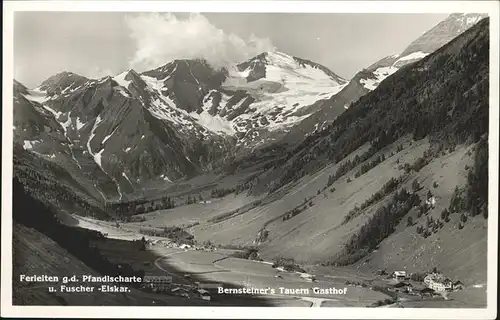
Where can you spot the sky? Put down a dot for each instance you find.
(97, 44)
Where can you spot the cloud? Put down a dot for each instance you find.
(161, 38)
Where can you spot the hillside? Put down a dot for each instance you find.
(413, 102)
(326, 200)
(44, 246)
(370, 77)
(35, 253)
(416, 100)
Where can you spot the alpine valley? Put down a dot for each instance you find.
(170, 123)
(277, 158)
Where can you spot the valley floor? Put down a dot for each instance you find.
(312, 237)
(316, 234)
(221, 269)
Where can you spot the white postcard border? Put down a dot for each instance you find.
(10, 7)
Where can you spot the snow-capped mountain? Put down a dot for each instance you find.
(168, 123)
(250, 101)
(368, 79)
(429, 42)
(185, 117)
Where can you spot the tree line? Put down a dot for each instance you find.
(135, 207)
(377, 228)
(386, 189)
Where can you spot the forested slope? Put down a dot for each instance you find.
(443, 96)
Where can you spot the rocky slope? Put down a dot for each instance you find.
(176, 121)
(369, 78)
(252, 102)
(429, 42)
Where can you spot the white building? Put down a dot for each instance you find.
(438, 282)
(399, 275)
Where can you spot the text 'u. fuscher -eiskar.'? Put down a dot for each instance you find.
(282, 290)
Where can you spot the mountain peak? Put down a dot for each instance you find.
(126, 77)
(129, 72)
(256, 67)
(277, 55)
(61, 81)
(443, 32)
(430, 41)
(271, 58)
(470, 15)
(19, 87)
(19, 84)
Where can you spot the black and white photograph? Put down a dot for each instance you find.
(211, 155)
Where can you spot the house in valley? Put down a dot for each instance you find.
(399, 275)
(427, 292)
(438, 282)
(403, 287)
(157, 283)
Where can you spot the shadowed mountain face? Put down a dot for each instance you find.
(368, 79)
(106, 131)
(61, 83)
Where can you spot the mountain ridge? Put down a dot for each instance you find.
(184, 118)
(370, 77)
